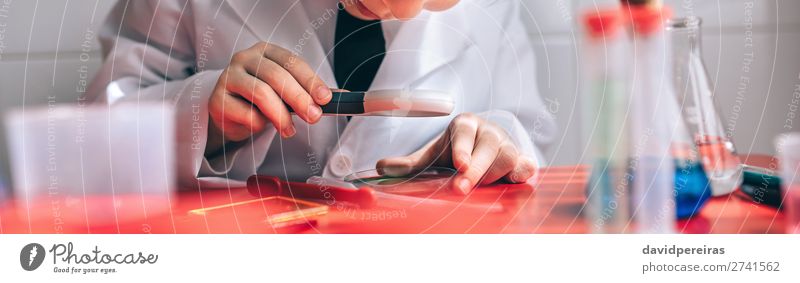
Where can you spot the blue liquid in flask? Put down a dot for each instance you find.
(692, 188)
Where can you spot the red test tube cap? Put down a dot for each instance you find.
(602, 23)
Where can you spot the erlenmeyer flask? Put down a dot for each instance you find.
(695, 96)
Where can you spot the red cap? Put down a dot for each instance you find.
(603, 23)
(646, 19)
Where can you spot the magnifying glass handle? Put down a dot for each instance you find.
(343, 103)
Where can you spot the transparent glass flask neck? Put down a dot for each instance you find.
(686, 39)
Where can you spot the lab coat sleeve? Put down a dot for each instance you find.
(149, 56)
(520, 109)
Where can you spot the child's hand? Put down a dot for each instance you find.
(393, 9)
(482, 152)
(253, 88)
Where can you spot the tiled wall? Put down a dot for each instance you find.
(47, 48)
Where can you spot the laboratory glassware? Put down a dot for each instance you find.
(418, 181)
(605, 100)
(787, 147)
(653, 123)
(695, 94)
(655, 63)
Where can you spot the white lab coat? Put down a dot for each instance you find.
(174, 50)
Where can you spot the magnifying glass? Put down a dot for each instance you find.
(389, 103)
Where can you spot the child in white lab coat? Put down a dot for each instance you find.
(231, 68)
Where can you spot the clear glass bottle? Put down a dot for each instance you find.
(696, 97)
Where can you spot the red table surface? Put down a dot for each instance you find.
(550, 204)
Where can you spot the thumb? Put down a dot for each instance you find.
(396, 166)
(405, 165)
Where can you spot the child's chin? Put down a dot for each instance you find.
(355, 12)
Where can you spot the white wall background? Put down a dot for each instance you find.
(44, 53)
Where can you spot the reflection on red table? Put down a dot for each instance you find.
(550, 204)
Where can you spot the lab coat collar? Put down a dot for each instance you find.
(420, 46)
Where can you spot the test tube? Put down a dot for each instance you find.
(654, 118)
(605, 100)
